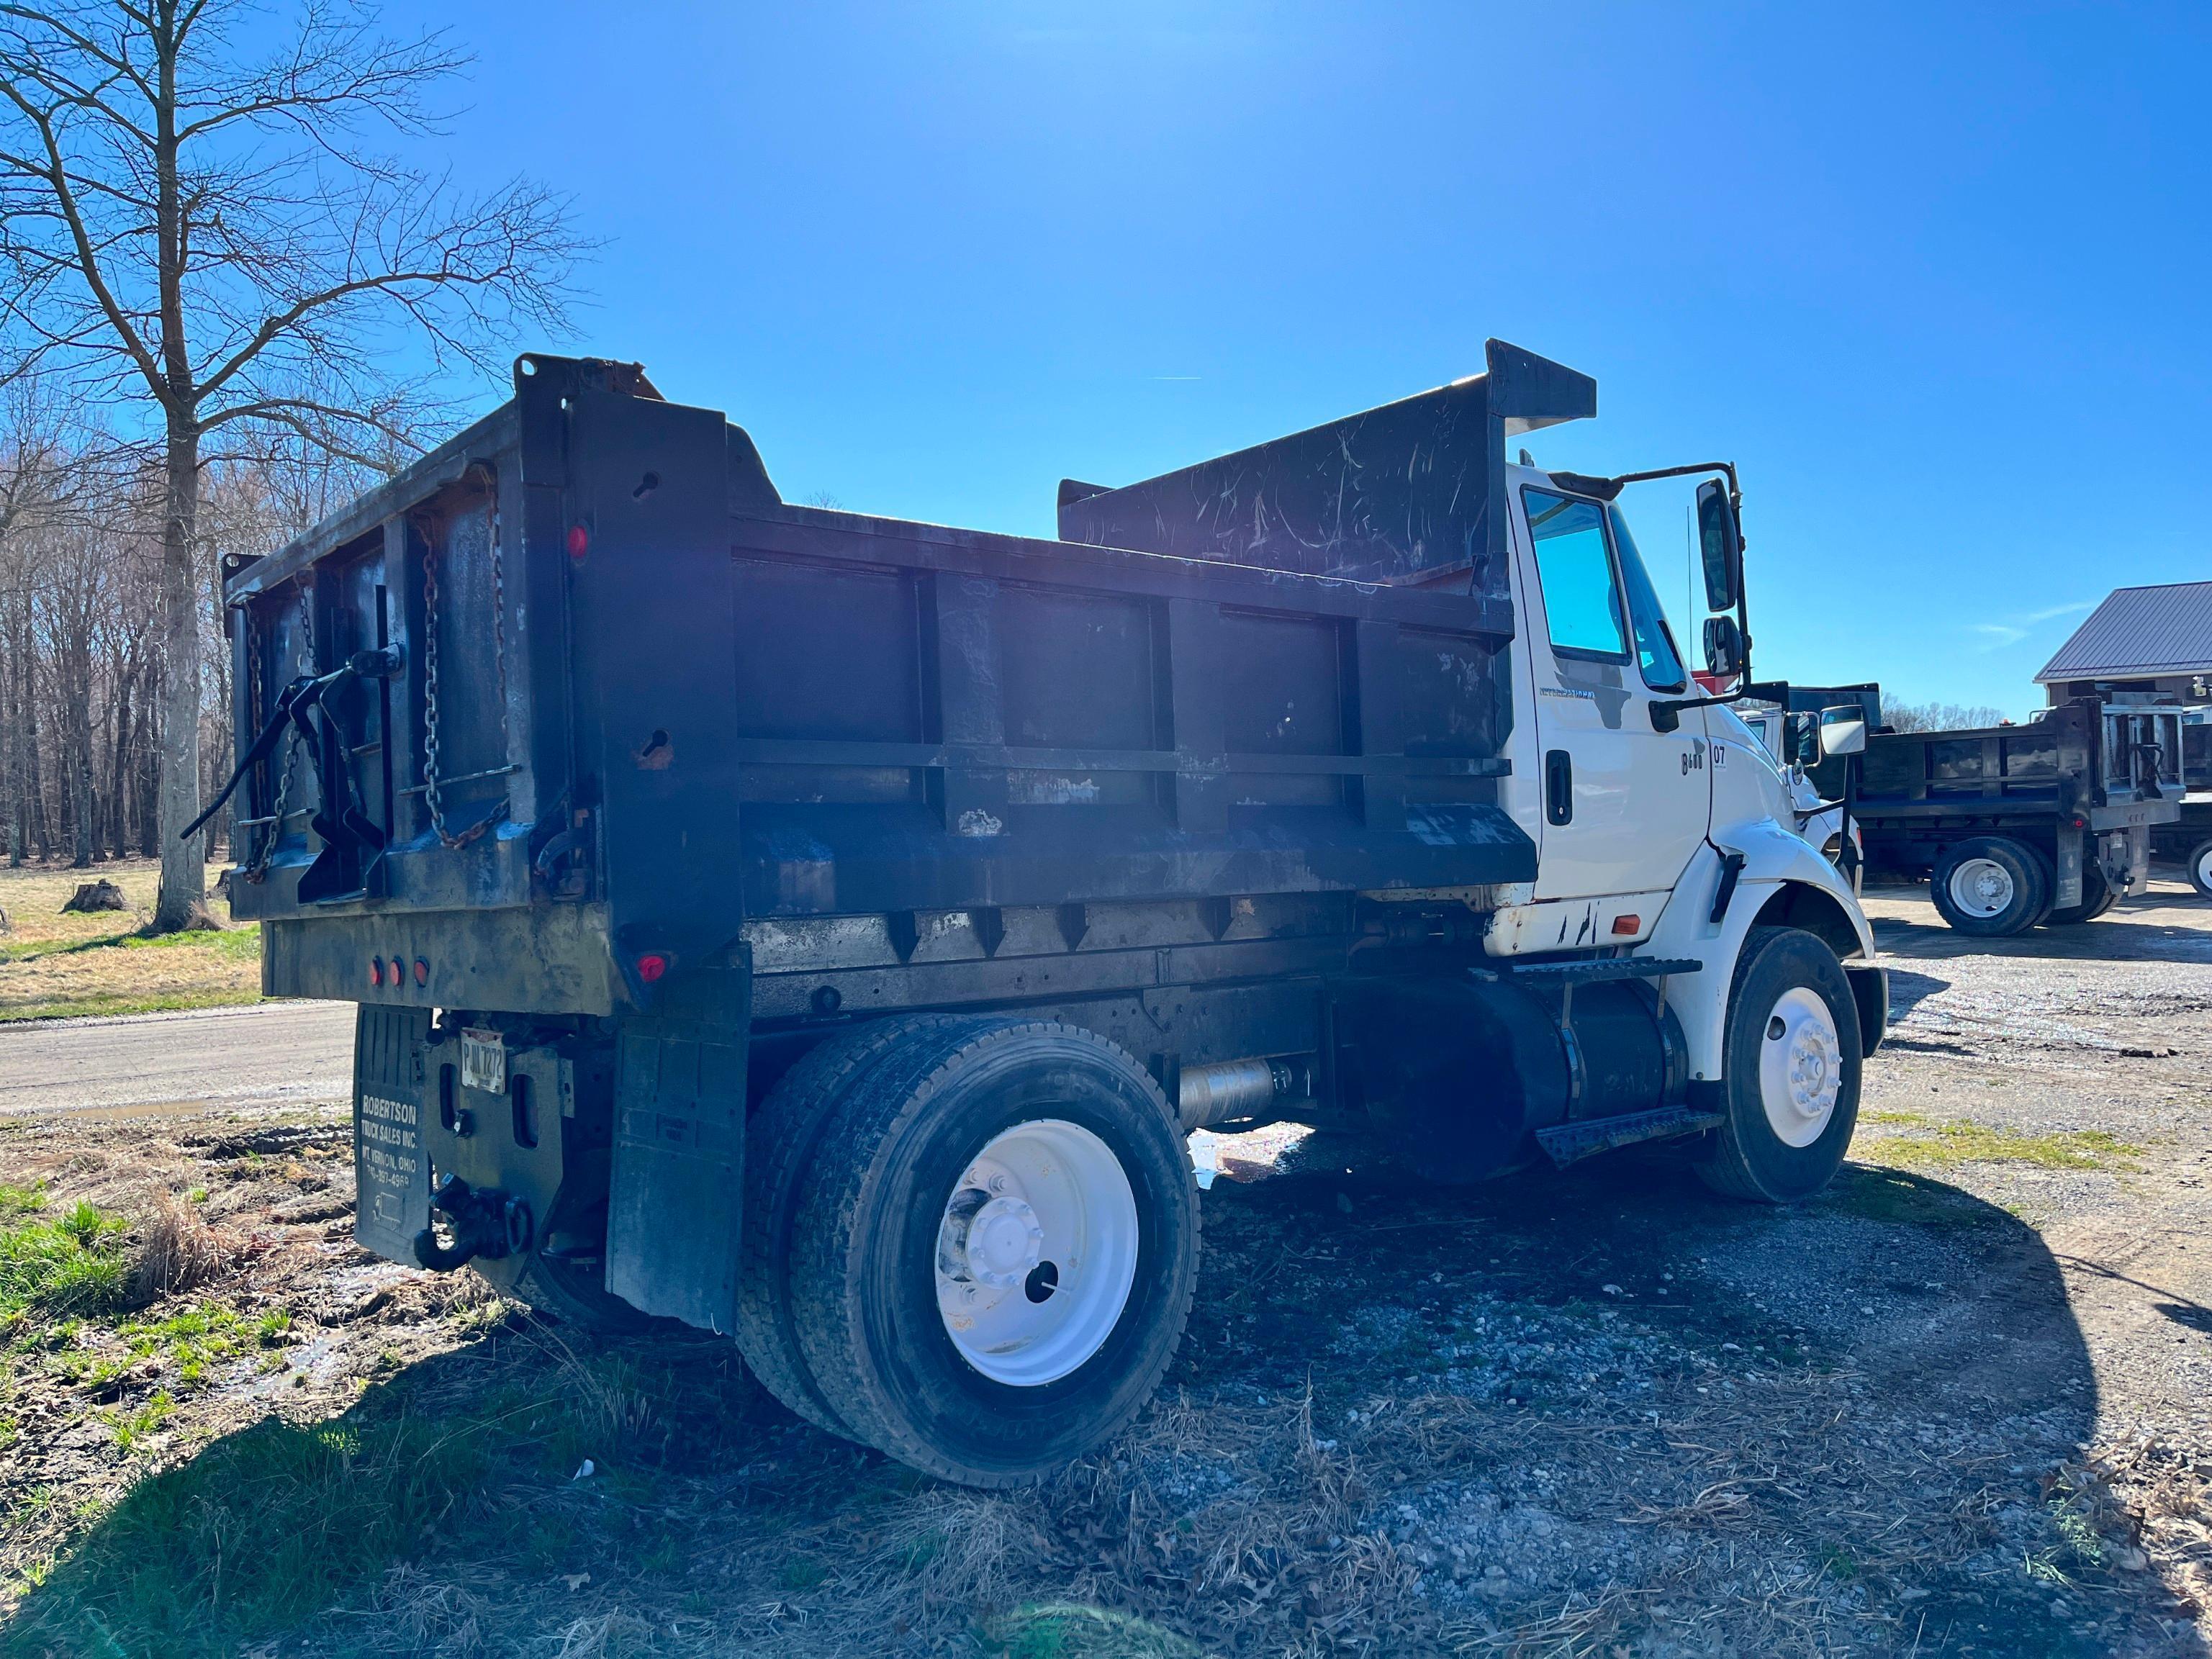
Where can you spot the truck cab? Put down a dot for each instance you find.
(826, 930)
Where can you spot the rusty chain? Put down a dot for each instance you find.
(432, 795)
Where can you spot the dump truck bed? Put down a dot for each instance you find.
(593, 695)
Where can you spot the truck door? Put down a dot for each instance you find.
(1625, 804)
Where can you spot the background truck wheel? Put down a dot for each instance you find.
(782, 1137)
(990, 1275)
(1989, 887)
(2098, 896)
(1790, 1056)
(2200, 868)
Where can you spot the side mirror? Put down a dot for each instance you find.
(1803, 728)
(1723, 647)
(1842, 731)
(1720, 545)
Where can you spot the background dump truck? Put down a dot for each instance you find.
(2049, 822)
(825, 930)
(2188, 840)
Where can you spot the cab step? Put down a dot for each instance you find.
(1569, 1143)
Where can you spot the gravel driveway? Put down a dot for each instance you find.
(1956, 1405)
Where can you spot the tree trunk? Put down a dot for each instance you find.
(12, 736)
(119, 768)
(76, 749)
(184, 869)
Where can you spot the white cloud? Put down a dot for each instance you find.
(1997, 636)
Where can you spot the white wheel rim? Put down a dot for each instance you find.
(1801, 1067)
(2204, 868)
(1982, 887)
(1036, 1252)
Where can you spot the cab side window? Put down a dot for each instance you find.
(1581, 602)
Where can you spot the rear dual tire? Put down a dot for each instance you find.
(1991, 887)
(970, 1243)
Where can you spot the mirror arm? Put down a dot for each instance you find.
(1667, 712)
(1735, 490)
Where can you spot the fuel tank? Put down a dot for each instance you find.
(1461, 1072)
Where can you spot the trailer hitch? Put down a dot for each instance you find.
(486, 1223)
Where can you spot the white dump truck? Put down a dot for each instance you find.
(826, 930)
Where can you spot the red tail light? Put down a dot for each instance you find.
(422, 971)
(580, 541)
(651, 966)
(376, 970)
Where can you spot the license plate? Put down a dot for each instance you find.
(484, 1062)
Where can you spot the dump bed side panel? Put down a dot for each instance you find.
(924, 731)
(1412, 492)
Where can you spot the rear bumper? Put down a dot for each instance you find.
(538, 959)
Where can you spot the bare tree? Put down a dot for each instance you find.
(206, 233)
(1941, 716)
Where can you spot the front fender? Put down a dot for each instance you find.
(1774, 859)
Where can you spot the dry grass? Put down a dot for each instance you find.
(175, 1249)
(53, 965)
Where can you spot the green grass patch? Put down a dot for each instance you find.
(1910, 1141)
(135, 1427)
(1066, 1631)
(258, 1534)
(55, 1266)
(110, 1007)
(267, 1529)
(231, 945)
(16, 1202)
(189, 1342)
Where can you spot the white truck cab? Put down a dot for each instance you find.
(1671, 831)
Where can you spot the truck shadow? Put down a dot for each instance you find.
(2124, 933)
(1592, 1411)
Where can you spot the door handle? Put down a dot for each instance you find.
(1559, 787)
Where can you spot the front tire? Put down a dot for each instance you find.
(1790, 1062)
(1990, 886)
(992, 1275)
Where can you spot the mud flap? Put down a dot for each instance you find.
(392, 1169)
(2067, 893)
(673, 1208)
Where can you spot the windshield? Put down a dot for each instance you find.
(1655, 644)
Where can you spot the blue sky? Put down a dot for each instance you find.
(1934, 276)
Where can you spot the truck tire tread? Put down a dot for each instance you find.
(2027, 868)
(1733, 1168)
(781, 1140)
(830, 1300)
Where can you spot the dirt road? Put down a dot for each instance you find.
(155, 1064)
(1957, 1406)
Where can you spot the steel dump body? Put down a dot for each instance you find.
(2084, 782)
(2082, 758)
(575, 740)
(666, 704)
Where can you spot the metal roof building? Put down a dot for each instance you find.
(2140, 639)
